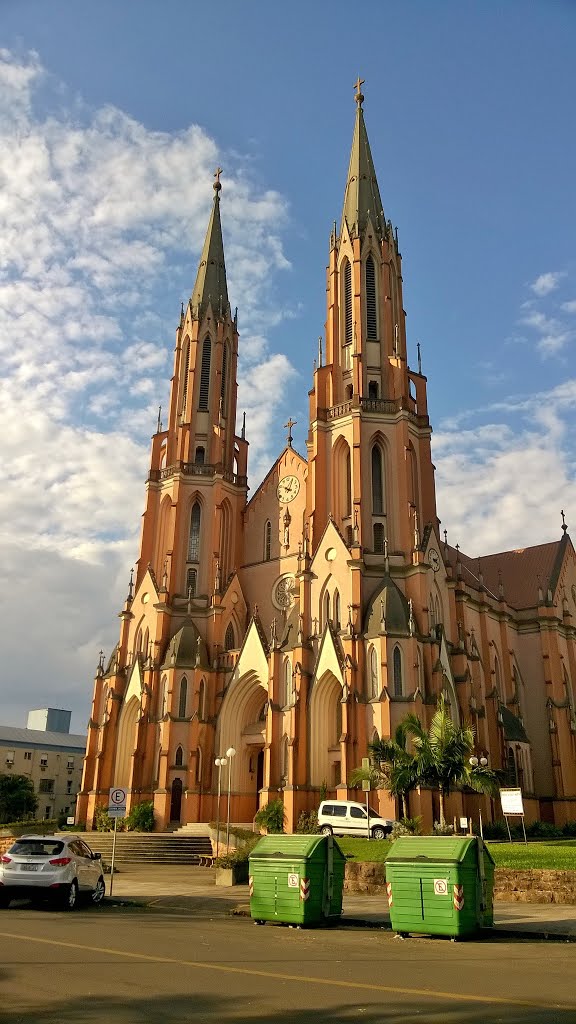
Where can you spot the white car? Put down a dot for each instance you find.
(58, 868)
(347, 818)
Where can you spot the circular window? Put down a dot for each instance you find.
(330, 554)
(145, 598)
(283, 592)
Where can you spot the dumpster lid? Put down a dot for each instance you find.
(280, 846)
(432, 849)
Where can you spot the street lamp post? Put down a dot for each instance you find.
(230, 753)
(219, 762)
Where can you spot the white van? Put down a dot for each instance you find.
(347, 818)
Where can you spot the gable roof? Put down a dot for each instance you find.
(521, 570)
(274, 466)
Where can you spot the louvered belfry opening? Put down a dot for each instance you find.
(205, 375)
(347, 303)
(371, 318)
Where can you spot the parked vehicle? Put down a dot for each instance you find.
(57, 868)
(347, 818)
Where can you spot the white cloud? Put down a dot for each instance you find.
(569, 307)
(101, 223)
(546, 283)
(554, 335)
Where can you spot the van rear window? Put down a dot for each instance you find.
(36, 848)
(338, 811)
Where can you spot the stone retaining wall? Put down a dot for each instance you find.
(509, 886)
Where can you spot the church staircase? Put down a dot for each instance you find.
(151, 847)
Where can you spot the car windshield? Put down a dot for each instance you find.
(373, 813)
(37, 848)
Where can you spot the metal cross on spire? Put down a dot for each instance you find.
(564, 527)
(288, 426)
(217, 184)
(358, 86)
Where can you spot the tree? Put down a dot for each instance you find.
(443, 753)
(393, 768)
(17, 798)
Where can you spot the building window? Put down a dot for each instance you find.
(68, 786)
(372, 389)
(194, 539)
(336, 609)
(205, 375)
(183, 699)
(199, 764)
(70, 763)
(229, 639)
(348, 505)
(378, 538)
(326, 608)
(179, 759)
(46, 786)
(200, 455)
(371, 318)
(347, 282)
(287, 681)
(27, 755)
(44, 760)
(377, 482)
(191, 580)
(374, 680)
(267, 540)
(48, 811)
(9, 757)
(397, 671)
(224, 379)
(202, 701)
(185, 376)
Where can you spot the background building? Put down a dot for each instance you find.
(302, 624)
(49, 755)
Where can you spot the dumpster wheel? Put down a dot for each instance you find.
(259, 922)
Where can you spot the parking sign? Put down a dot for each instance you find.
(117, 802)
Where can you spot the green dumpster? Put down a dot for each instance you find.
(440, 885)
(296, 879)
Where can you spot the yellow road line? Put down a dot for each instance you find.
(300, 978)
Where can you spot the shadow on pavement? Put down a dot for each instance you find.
(180, 1009)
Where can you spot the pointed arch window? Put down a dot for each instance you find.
(336, 609)
(371, 315)
(287, 683)
(224, 383)
(205, 374)
(285, 755)
(379, 538)
(200, 455)
(498, 678)
(377, 482)
(374, 678)
(267, 541)
(397, 672)
(183, 698)
(202, 701)
(194, 538)
(229, 639)
(373, 389)
(179, 758)
(326, 608)
(347, 289)
(164, 696)
(185, 375)
(191, 582)
(348, 498)
(199, 764)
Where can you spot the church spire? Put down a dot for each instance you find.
(362, 197)
(210, 283)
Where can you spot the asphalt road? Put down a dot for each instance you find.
(134, 966)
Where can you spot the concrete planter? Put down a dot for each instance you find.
(236, 875)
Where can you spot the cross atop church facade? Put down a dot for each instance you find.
(358, 86)
(288, 426)
(217, 184)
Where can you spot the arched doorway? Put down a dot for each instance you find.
(259, 772)
(242, 725)
(176, 800)
(325, 728)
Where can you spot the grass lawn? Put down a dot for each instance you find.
(556, 854)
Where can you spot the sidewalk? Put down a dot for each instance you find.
(191, 890)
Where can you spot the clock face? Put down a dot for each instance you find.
(434, 559)
(288, 489)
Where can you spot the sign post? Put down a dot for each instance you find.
(116, 809)
(512, 806)
(366, 789)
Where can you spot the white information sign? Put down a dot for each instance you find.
(70, 821)
(511, 800)
(440, 886)
(293, 880)
(117, 802)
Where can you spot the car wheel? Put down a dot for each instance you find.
(326, 830)
(69, 897)
(4, 901)
(379, 832)
(98, 892)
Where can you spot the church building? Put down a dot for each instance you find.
(300, 624)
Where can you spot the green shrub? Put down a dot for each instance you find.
(103, 823)
(141, 817)
(33, 826)
(308, 823)
(543, 830)
(406, 827)
(238, 856)
(495, 830)
(271, 817)
(443, 830)
(569, 828)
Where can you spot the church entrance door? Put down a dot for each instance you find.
(176, 800)
(259, 775)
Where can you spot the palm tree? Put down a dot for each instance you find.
(392, 768)
(443, 753)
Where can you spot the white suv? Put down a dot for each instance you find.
(60, 868)
(347, 818)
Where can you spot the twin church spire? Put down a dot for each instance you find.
(210, 286)
(362, 202)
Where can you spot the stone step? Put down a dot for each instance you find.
(149, 848)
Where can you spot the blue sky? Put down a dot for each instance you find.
(113, 117)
